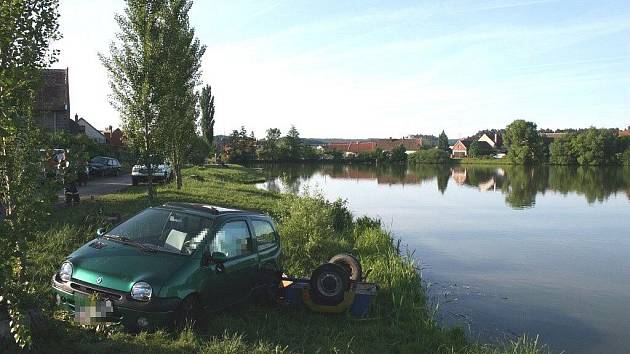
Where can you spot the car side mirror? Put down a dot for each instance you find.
(219, 257)
(100, 232)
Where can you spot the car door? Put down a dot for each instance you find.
(231, 281)
(266, 242)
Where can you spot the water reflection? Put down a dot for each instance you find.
(520, 185)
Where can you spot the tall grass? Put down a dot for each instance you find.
(312, 230)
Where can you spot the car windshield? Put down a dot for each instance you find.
(164, 230)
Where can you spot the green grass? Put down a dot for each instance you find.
(312, 230)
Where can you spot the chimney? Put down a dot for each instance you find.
(496, 137)
(76, 117)
(110, 128)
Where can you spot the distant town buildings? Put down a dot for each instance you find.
(357, 147)
(89, 130)
(114, 137)
(625, 132)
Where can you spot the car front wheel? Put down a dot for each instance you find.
(188, 313)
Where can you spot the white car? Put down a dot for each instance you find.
(161, 173)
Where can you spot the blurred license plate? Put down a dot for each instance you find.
(93, 311)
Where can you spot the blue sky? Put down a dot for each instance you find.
(386, 68)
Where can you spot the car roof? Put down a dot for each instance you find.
(211, 209)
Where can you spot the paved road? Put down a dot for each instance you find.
(101, 185)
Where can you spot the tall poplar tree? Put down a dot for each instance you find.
(207, 114)
(134, 66)
(181, 54)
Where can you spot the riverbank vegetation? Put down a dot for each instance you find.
(312, 229)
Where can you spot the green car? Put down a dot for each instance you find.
(170, 263)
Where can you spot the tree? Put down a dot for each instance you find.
(269, 150)
(399, 154)
(595, 147)
(474, 150)
(26, 29)
(293, 144)
(524, 142)
(207, 113)
(242, 147)
(181, 54)
(443, 142)
(560, 152)
(199, 150)
(134, 66)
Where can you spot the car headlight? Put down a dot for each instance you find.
(65, 272)
(141, 291)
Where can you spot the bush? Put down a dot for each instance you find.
(313, 230)
(625, 157)
(431, 156)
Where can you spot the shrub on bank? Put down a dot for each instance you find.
(625, 157)
(430, 156)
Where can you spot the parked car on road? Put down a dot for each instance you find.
(161, 173)
(103, 166)
(170, 263)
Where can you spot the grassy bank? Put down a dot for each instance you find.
(312, 229)
(486, 161)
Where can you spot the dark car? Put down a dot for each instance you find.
(170, 263)
(104, 166)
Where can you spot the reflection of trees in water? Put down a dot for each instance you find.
(523, 183)
(519, 184)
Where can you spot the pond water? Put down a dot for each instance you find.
(504, 250)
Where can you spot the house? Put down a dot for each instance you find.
(114, 137)
(86, 128)
(461, 147)
(357, 147)
(51, 108)
(624, 132)
(495, 140)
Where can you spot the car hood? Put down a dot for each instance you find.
(119, 266)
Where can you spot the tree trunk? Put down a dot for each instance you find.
(147, 161)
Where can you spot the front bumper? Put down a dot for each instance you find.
(157, 312)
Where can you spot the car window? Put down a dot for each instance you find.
(233, 239)
(265, 235)
(166, 230)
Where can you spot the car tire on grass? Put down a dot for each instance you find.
(188, 312)
(350, 263)
(328, 284)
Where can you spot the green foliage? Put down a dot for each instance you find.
(293, 144)
(399, 154)
(430, 156)
(625, 157)
(561, 153)
(474, 150)
(27, 27)
(199, 150)
(242, 146)
(312, 228)
(270, 150)
(594, 147)
(134, 66)
(525, 144)
(443, 142)
(206, 103)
